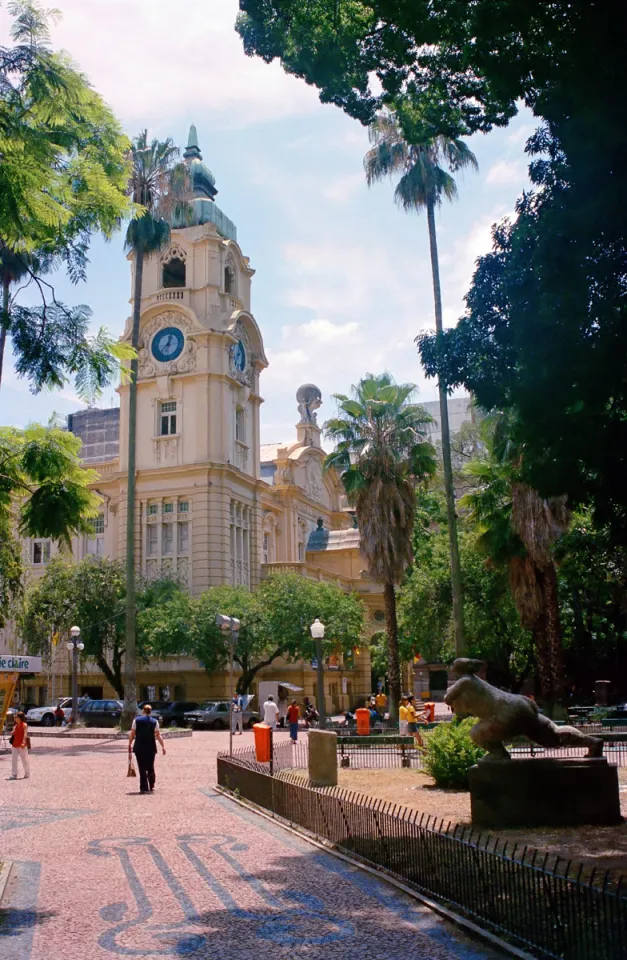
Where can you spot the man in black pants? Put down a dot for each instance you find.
(145, 732)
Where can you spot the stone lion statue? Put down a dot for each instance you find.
(503, 716)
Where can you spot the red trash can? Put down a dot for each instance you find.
(263, 742)
(430, 709)
(362, 716)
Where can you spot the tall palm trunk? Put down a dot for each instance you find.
(548, 642)
(394, 670)
(449, 487)
(130, 662)
(4, 320)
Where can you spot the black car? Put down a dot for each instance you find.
(102, 713)
(173, 713)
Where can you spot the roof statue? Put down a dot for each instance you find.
(309, 398)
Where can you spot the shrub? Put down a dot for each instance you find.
(449, 753)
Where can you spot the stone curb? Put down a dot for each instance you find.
(103, 735)
(460, 921)
(5, 873)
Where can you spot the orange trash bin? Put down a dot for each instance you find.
(263, 742)
(362, 716)
(430, 710)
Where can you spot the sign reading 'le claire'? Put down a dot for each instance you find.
(17, 664)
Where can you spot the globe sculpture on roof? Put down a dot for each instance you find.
(309, 398)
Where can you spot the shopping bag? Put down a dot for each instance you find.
(131, 772)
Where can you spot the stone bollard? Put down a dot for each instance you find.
(323, 757)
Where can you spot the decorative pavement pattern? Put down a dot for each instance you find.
(102, 872)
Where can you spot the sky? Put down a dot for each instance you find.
(343, 280)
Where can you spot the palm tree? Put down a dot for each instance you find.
(423, 184)
(381, 454)
(157, 187)
(517, 530)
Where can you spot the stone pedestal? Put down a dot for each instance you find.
(544, 792)
(323, 757)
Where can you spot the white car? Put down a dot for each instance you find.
(45, 715)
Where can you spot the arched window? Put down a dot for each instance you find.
(173, 273)
(230, 277)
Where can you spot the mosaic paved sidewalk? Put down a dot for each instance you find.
(102, 872)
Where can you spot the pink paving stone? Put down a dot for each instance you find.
(184, 872)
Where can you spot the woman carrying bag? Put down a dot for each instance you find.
(19, 746)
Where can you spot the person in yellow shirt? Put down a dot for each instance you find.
(402, 717)
(381, 702)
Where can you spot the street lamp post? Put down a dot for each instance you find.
(75, 645)
(230, 628)
(317, 632)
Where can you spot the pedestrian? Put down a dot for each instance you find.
(144, 734)
(381, 702)
(59, 715)
(19, 746)
(402, 717)
(293, 716)
(237, 712)
(412, 719)
(270, 712)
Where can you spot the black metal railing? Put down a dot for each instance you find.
(557, 908)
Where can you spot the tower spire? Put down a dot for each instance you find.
(192, 150)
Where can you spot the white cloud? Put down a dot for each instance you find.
(507, 172)
(323, 331)
(521, 134)
(342, 189)
(154, 59)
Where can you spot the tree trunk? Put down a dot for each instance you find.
(4, 321)
(249, 673)
(113, 676)
(449, 487)
(130, 662)
(394, 671)
(553, 634)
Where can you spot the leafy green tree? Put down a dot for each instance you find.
(275, 623)
(159, 191)
(382, 454)
(423, 184)
(90, 593)
(62, 177)
(493, 629)
(591, 573)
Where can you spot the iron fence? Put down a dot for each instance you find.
(556, 908)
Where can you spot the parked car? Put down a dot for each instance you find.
(45, 715)
(102, 713)
(174, 713)
(214, 715)
(155, 704)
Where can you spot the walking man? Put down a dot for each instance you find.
(270, 712)
(237, 711)
(145, 733)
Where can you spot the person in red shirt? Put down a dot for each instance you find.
(293, 716)
(19, 750)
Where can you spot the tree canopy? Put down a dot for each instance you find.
(62, 178)
(275, 622)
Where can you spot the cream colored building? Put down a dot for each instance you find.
(214, 506)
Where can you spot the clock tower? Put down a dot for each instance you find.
(200, 358)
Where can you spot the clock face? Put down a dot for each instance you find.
(167, 344)
(239, 356)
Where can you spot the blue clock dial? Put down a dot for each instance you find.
(239, 356)
(167, 344)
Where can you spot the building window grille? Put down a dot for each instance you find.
(153, 509)
(183, 506)
(266, 548)
(168, 508)
(168, 418)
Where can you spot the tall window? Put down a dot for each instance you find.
(40, 552)
(240, 543)
(167, 418)
(240, 424)
(167, 539)
(152, 540)
(183, 535)
(266, 548)
(95, 543)
(229, 279)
